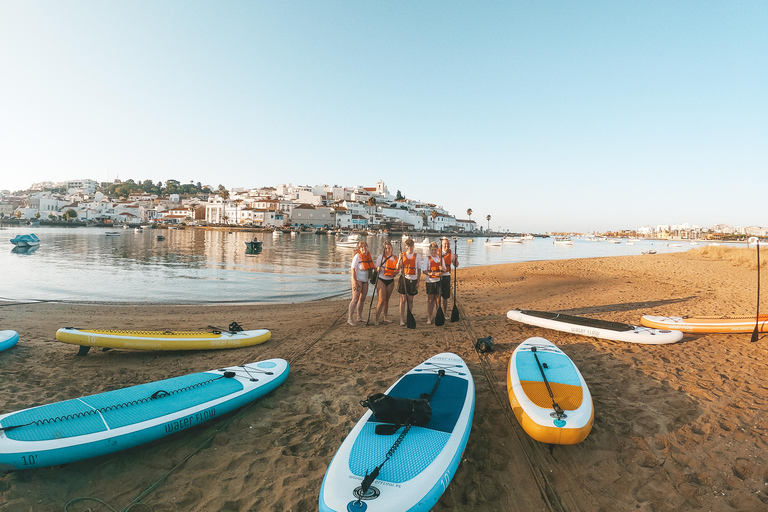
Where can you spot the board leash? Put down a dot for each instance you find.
(555, 406)
(370, 478)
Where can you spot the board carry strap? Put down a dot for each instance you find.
(555, 406)
(370, 478)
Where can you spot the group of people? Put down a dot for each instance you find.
(406, 268)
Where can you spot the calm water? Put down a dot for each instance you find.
(193, 266)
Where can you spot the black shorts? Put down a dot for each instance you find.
(407, 285)
(445, 287)
(433, 288)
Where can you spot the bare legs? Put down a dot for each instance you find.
(359, 292)
(385, 291)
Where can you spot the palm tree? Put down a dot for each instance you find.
(372, 203)
(488, 218)
(469, 213)
(434, 216)
(237, 202)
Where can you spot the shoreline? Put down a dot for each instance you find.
(677, 427)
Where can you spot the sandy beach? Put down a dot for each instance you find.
(677, 427)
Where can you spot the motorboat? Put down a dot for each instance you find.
(160, 237)
(112, 233)
(253, 247)
(527, 237)
(562, 240)
(492, 243)
(138, 230)
(511, 240)
(30, 240)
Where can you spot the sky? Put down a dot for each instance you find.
(546, 115)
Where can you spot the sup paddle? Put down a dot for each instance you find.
(375, 288)
(455, 311)
(410, 322)
(440, 316)
(757, 319)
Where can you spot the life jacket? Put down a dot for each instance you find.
(366, 263)
(435, 269)
(409, 264)
(447, 259)
(390, 267)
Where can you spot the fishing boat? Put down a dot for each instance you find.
(30, 240)
(254, 246)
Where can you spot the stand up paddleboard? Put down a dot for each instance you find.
(418, 463)
(108, 422)
(548, 394)
(708, 324)
(160, 340)
(8, 339)
(595, 328)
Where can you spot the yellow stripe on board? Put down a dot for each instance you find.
(154, 334)
(567, 396)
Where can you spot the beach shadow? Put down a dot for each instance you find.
(623, 306)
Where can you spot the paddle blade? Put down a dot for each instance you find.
(754, 335)
(410, 322)
(440, 317)
(455, 313)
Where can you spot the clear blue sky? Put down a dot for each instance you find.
(545, 115)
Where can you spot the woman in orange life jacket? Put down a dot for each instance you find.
(409, 263)
(433, 268)
(445, 281)
(387, 265)
(362, 264)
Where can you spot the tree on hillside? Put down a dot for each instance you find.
(224, 193)
(399, 196)
(434, 216)
(372, 204)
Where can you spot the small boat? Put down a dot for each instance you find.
(353, 238)
(125, 226)
(527, 237)
(253, 247)
(614, 241)
(562, 240)
(277, 234)
(160, 237)
(112, 233)
(30, 240)
(491, 243)
(138, 230)
(674, 245)
(424, 243)
(511, 240)
(651, 251)
(470, 240)
(633, 240)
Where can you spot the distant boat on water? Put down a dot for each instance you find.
(30, 240)
(562, 240)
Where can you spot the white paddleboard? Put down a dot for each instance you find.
(423, 464)
(595, 328)
(8, 339)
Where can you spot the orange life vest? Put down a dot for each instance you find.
(435, 269)
(366, 263)
(447, 259)
(390, 267)
(409, 265)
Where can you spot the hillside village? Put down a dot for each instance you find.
(283, 206)
(320, 206)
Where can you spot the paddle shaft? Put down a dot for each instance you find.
(757, 317)
(555, 406)
(375, 287)
(455, 312)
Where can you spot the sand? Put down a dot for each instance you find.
(677, 427)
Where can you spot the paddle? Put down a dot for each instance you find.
(455, 311)
(375, 286)
(555, 405)
(757, 318)
(440, 316)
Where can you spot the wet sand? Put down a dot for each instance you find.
(677, 427)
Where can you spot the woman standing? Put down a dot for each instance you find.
(362, 263)
(409, 264)
(433, 269)
(445, 281)
(387, 265)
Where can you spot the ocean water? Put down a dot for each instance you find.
(212, 266)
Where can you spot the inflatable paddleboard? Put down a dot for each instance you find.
(424, 462)
(8, 339)
(108, 422)
(536, 368)
(595, 328)
(708, 324)
(161, 340)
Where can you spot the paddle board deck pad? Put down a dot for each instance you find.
(595, 328)
(530, 395)
(423, 464)
(161, 340)
(8, 339)
(708, 324)
(96, 425)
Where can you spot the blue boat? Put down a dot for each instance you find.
(105, 423)
(25, 240)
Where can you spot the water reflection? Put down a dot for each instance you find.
(198, 265)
